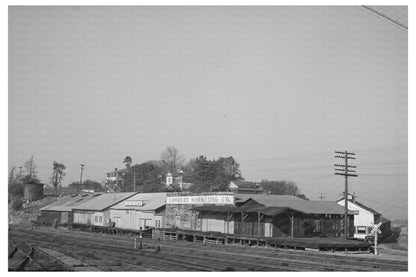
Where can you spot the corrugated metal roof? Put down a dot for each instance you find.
(212, 208)
(360, 205)
(268, 199)
(104, 201)
(296, 203)
(151, 202)
(320, 207)
(67, 203)
(271, 211)
(245, 184)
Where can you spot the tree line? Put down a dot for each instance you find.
(205, 176)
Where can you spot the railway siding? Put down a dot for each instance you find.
(115, 252)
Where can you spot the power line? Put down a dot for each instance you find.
(384, 204)
(385, 16)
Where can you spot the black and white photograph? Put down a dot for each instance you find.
(174, 138)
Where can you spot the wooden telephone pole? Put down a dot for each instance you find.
(80, 180)
(346, 172)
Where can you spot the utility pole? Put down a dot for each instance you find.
(134, 181)
(20, 173)
(321, 197)
(80, 179)
(124, 177)
(346, 172)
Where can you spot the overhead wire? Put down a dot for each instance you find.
(392, 206)
(391, 19)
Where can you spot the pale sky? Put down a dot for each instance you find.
(278, 88)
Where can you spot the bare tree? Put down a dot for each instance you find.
(11, 175)
(231, 169)
(57, 175)
(171, 159)
(30, 168)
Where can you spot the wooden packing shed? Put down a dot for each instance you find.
(141, 211)
(245, 221)
(60, 211)
(301, 219)
(216, 218)
(181, 215)
(97, 210)
(306, 218)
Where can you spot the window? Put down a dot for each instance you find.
(134, 203)
(101, 219)
(361, 230)
(317, 224)
(296, 226)
(96, 218)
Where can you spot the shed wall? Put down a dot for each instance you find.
(132, 219)
(48, 217)
(83, 217)
(216, 222)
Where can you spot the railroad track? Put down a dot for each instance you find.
(178, 260)
(20, 259)
(25, 257)
(182, 256)
(350, 261)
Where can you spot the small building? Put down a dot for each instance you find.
(239, 187)
(97, 210)
(33, 192)
(141, 211)
(60, 211)
(364, 217)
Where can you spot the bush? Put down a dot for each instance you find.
(16, 190)
(17, 204)
(390, 235)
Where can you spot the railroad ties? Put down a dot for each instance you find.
(186, 251)
(310, 244)
(23, 257)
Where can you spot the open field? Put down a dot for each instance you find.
(84, 251)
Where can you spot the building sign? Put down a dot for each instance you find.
(134, 203)
(201, 199)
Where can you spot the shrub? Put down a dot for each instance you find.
(16, 190)
(17, 204)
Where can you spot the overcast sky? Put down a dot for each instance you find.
(278, 88)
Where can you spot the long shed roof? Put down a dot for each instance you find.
(151, 202)
(67, 203)
(271, 211)
(104, 201)
(360, 205)
(296, 203)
